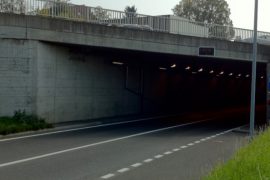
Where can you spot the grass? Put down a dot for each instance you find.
(21, 122)
(249, 163)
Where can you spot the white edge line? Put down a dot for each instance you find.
(83, 128)
(95, 144)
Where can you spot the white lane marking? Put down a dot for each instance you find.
(190, 144)
(168, 152)
(83, 128)
(158, 156)
(94, 144)
(148, 160)
(107, 176)
(203, 139)
(123, 170)
(136, 165)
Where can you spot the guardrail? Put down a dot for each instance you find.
(98, 15)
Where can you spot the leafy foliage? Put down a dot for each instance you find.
(14, 6)
(21, 122)
(250, 163)
(131, 11)
(213, 12)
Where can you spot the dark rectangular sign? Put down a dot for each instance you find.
(206, 51)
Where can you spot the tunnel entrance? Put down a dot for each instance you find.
(177, 83)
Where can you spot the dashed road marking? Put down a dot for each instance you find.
(158, 156)
(168, 152)
(148, 160)
(107, 176)
(123, 170)
(136, 165)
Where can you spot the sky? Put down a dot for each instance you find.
(242, 11)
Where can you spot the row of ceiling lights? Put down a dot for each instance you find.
(188, 68)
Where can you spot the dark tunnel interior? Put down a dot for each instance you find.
(178, 83)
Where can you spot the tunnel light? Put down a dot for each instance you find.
(262, 77)
(231, 74)
(200, 70)
(221, 73)
(188, 68)
(217, 75)
(118, 63)
(173, 66)
(239, 75)
(211, 72)
(163, 68)
(247, 76)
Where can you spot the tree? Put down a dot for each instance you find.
(212, 12)
(131, 11)
(12, 6)
(101, 14)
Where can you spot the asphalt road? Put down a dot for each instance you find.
(163, 148)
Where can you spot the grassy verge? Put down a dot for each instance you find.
(250, 163)
(21, 122)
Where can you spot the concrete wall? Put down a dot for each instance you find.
(72, 32)
(17, 76)
(75, 86)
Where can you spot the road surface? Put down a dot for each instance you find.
(164, 148)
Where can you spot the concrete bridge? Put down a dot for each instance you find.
(66, 70)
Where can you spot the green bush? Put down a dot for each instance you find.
(21, 122)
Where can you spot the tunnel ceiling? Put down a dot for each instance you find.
(167, 61)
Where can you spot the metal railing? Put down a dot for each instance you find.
(98, 15)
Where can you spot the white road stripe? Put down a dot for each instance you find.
(168, 152)
(136, 165)
(148, 160)
(158, 156)
(107, 176)
(123, 170)
(83, 128)
(94, 144)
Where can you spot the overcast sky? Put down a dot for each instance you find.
(242, 11)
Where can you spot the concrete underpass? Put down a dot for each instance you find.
(78, 71)
(170, 84)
